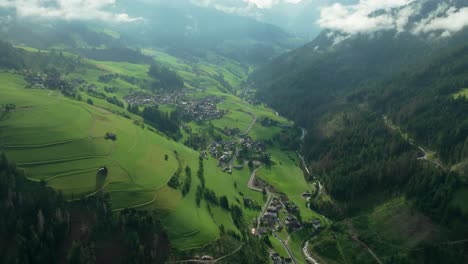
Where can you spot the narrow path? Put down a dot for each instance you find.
(246, 132)
(305, 250)
(292, 233)
(304, 133)
(411, 141)
(285, 247)
(368, 249)
(264, 208)
(436, 162)
(303, 162)
(212, 260)
(250, 183)
(251, 186)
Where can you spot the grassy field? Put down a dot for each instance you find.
(62, 141)
(286, 177)
(461, 93)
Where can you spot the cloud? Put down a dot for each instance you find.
(236, 6)
(368, 16)
(363, 17)
(270, 3)
(67, 9)
(446, 19)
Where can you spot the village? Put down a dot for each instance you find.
(189, 108)
(54, 81)
(238, 153)
(281, 215)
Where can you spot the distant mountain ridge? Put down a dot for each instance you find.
(184, 29)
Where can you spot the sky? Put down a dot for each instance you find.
(68, 9)
(348, 17)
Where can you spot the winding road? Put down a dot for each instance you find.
(368, 249)
(305, 250)
(251, 182)
(252, 186)
(436, 162)
(247, 131)
(210, 260)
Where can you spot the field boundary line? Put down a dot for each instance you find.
(59, 160)
(44, 145)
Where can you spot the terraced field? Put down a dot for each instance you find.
(61, 141)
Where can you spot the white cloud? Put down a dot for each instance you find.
(270, 3)
(362, 17)
(445, 19)
(368, 16)
(67, 9)
(238, 6)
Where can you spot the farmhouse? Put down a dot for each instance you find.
(291, 222)
(307, 195)
(316, 223)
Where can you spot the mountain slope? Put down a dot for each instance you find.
(185, 30)
(386, 118)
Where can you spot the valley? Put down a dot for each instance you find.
(53, 147)
(195, 132)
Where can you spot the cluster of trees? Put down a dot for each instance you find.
(117, 54)
(8, 107)
(113, 100)
(175, 181)
(220, 78)
(133, 108)
(362, 158)
(107, 77)
(289, 139)
(163, 121)
(17, 59)
(167, 79)
(34, 220)
(183, 184)
(187, 182)
(110, 89)
(201, 172)
(10, 58)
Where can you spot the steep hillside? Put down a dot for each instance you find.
(386, 118)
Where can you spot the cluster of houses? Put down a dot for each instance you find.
(289, 205)
(256, 146)
(163, 98)
(190, 108)
(201, 109)
(140, 99)
(231, 131)
(53, 81)
(204, 257)
(227, 152)
(271, 218)
(268, 122)
(277, 259)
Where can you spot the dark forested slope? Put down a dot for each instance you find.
(384, 121)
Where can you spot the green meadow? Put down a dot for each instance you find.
(461, 93)
(61, 141)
